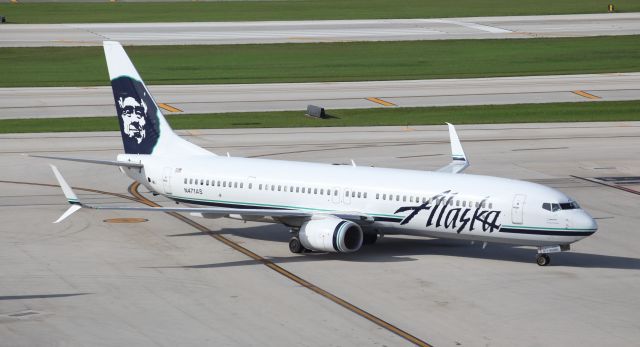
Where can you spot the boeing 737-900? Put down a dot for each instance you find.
(328, 208)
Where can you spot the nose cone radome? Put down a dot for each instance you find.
(586, 222)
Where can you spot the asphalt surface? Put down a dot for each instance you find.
(98, 101)
(214, 33)
(162, 282)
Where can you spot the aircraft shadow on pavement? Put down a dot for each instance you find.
(398, 249)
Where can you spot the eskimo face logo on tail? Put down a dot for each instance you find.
(133, 117)
(137, 115)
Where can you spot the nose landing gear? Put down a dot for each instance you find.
(543, 258)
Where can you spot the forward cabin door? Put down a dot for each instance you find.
(517, 207)
(166, 180)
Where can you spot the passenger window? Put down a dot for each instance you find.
(279, 188)
(384, 196)
(224, 184)
(315, 190)
(250, 185)
(190, 180)
(464, 203)
(358, 195)
(411, 199)
(260, 186)
(397, 197)
(241, 184)
(490, 206)
(185, 181)
(377, 196)
(364, 195)
(235, 184)
(335, 192)
(353, 194)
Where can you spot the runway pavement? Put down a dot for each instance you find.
(98, 101)
(162, 282)
(215, 33)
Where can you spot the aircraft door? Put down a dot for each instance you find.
(517, 208)
(335, 195)
(166, 180)
(346, 198)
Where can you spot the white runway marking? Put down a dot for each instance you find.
(212, 33)
(476, 26)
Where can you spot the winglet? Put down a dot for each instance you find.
(459, 160)
(68, 193)
(457, 153)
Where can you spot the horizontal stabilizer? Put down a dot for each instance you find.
(93, 161)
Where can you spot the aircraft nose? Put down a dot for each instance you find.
(585, 221)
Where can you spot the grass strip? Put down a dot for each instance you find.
(182, 11)
(318, 62)
(523, 113)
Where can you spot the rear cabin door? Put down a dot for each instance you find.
(517, 207)
(166, 180)
(335, 195)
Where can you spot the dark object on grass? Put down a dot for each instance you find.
(316, 111)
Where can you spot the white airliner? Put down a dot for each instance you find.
(329, 208)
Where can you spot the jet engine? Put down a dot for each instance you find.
(331, 234)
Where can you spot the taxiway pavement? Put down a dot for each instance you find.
(161, 282)
(214, 33)
(98, 101)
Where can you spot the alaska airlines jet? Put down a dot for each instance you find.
(328, 208)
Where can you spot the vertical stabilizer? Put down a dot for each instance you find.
(143, 128)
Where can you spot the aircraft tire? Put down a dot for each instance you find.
(543, 260)
(369, 238)
(295, 246)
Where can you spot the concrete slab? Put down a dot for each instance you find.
(163, 283)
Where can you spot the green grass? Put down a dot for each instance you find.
(525, 113)
(295, 10)
(361, 61)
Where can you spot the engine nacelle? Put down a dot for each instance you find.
(331, 235)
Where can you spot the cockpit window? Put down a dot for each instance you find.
(571, 205)
(553, 207)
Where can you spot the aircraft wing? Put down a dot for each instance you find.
(93, 161)
(459, 160)
(210, 212)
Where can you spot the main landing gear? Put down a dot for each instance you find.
(543, 258)
(295, 246)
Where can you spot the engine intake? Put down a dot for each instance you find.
(331, 235)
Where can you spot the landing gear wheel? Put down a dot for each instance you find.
(295, 246)
(369, 238)
(543, 260)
